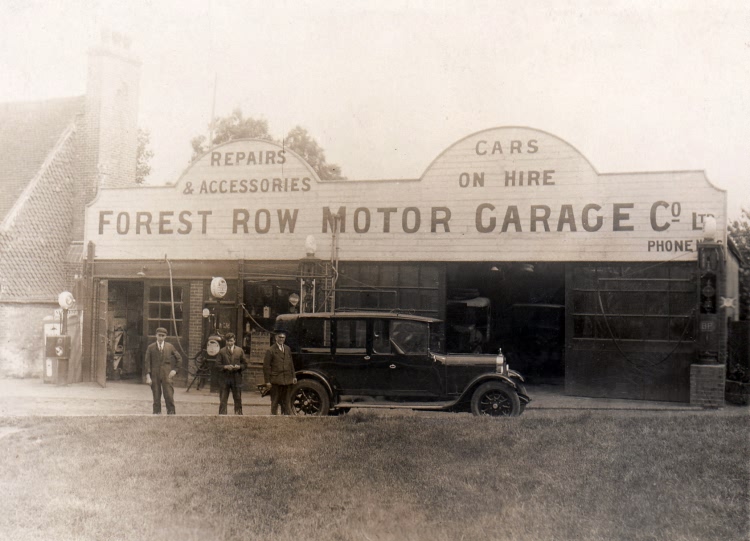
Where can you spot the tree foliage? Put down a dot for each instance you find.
(300, 141)
(228, 128)
(237, 126)
(739, 232)
(143, 156)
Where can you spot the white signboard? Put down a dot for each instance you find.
(504, 194)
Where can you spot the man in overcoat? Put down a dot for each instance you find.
(278, 374)
(230, 364)
(161, 363)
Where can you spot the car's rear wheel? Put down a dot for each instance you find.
(308, 397)
(495, 399)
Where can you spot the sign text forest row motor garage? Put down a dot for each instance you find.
(500, 194)
(537, 218)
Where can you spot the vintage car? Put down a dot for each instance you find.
(347, 360)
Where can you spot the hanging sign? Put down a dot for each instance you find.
(213, 347)
(66, 300)
(218, 287)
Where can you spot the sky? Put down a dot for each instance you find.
(386, 86)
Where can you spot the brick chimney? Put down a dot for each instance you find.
(108, 132)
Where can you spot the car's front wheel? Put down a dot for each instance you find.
(308, 397)
(495, 399)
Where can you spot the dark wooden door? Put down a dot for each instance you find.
(100, 333)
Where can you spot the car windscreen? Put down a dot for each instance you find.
(437, 337)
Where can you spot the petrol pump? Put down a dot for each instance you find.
(711, 324)
(707, 374)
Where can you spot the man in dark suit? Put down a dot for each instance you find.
(230, 364)
(162, 362)
(278, 374)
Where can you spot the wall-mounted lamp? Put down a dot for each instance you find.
(709, 229)
(495, 268)
(141, 273)
(310, 246)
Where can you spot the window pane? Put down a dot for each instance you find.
(656, 328)
(349, 275)
(428, 276)
(388, 275)
(657, 303)
(351, 335)
(409, 299)
(369, 275)
(633, 302)
(583, 327)
(583, 277)
(627, 328)
(429, 300)
(347, 299)
(585, 302)
(369, 299)
(153, 310)
(681, 328)
(681, 303)
(409, 336)
(685, 271)
(313, 336)
(380, 338)
(409, 276)
(388, 300)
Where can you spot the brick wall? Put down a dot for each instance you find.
(195, 329)
(22, 339)
(109, 141)
(707, 385)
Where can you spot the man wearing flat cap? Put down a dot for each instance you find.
(278, 373)
(162, 362)
(230, 364)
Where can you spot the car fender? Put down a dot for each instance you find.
(317, 376)
(484, 379)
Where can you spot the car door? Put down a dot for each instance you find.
(311, 342)
(402, 345)
(356, 372)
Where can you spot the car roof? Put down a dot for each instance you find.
(360, 315)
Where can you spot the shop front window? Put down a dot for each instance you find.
(389, 286)
(159, 310)
(648, 303)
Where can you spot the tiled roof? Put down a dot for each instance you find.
(28, 132)
(35, 240)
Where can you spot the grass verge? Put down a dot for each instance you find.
(364, 476)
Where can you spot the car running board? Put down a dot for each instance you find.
(396, 405)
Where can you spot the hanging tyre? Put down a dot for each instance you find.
(308, 397)
(495, 399)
